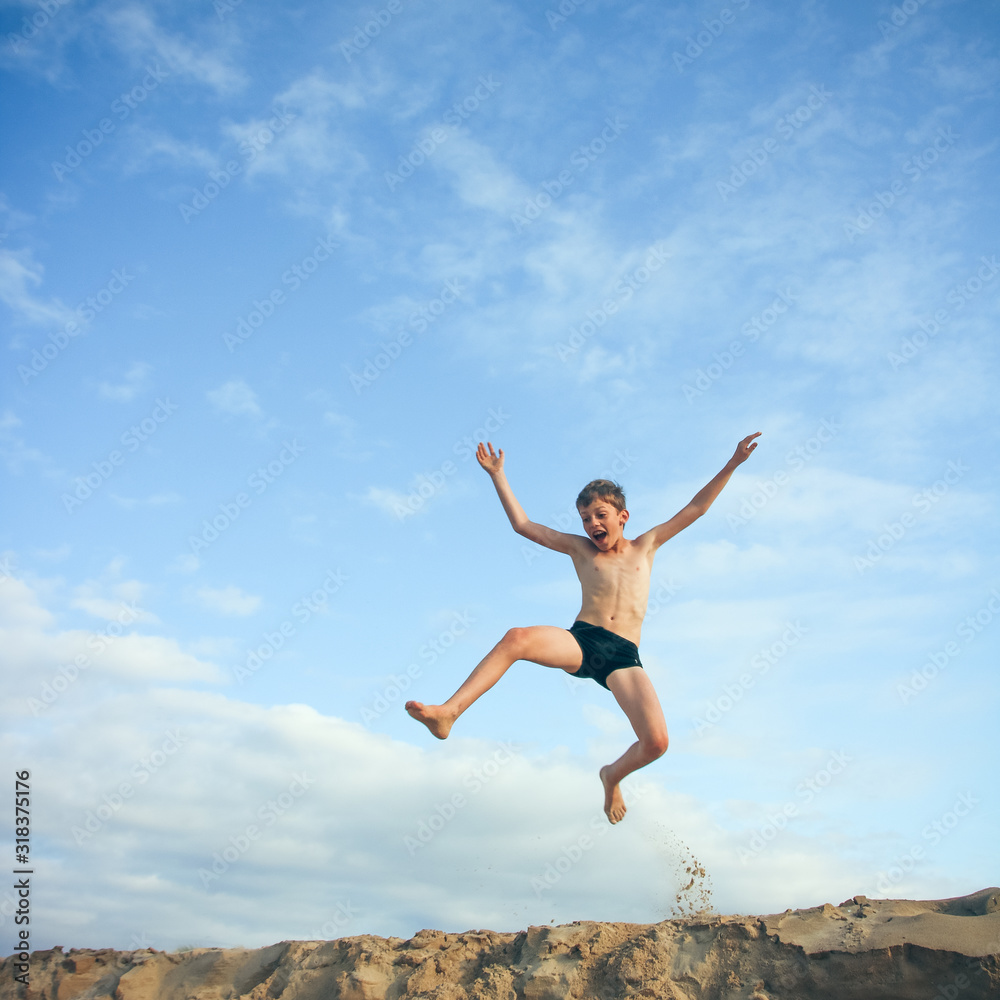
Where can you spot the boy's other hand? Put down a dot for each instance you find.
(490, 461)
(743, 449)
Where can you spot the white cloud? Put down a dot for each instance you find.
(346, 425)
(303, 134)
(163, 803)
(150, 147)
(57, 554)
(101, 607)
(607, 722)
(37, 651)
(123, 604)
(235, 397)
(228, 601)
(134, 381)
(153, 500)
(17, 454)
(185, 563)
(425, 491)
(19, 274)
(388, 501)
(479, 179)
(135, 30)
(20, 607)
(236, 808)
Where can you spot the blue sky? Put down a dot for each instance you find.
(269, 272)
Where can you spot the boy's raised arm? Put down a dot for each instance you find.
(704, 498)
(492, 462)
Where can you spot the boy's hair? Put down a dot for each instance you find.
(601, 489)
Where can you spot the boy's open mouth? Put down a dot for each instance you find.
(599, 534)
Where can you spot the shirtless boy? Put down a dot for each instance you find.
(603, 643)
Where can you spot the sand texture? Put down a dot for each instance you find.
(892, 949)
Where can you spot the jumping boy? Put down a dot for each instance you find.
(603, 643)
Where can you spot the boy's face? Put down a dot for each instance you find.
(603, 522)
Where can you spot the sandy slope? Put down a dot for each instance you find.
(898, 949)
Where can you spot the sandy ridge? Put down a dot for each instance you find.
(860, 950)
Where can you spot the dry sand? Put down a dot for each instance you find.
(942, 949)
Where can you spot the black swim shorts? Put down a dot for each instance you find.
(603, 651)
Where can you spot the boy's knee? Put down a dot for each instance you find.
(514, 641)
(656, 745)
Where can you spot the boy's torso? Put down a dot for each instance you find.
(615, 586)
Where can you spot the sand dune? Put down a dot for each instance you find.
(892, 949)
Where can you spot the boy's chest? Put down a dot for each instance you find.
(603, 569)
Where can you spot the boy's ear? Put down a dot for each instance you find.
(624, 516)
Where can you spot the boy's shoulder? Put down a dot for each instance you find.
(643, 542)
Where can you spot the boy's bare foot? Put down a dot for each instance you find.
(614, 804)
(434, 717)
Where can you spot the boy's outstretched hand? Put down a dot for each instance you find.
(743, 449)
(490, 461)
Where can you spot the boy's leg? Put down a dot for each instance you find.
(634, 691)
(545, 644)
